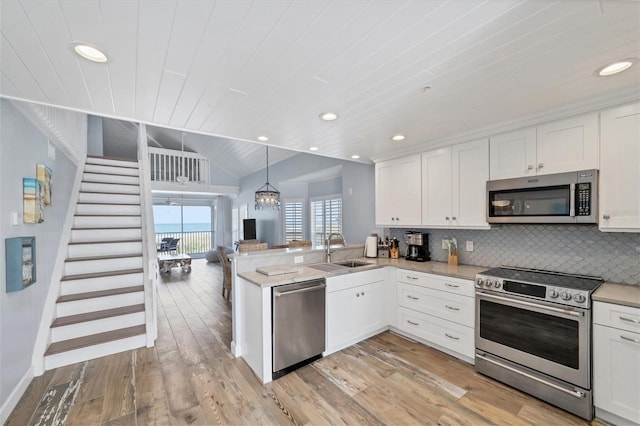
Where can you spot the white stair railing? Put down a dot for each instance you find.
(167, 164)
(150, 265)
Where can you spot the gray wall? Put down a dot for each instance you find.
(356, 186)
(576, 249)
(22, 146)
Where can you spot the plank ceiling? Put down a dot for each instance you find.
(238, 69)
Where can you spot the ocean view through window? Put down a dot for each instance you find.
(191, 224)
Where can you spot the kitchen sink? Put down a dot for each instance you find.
(327, 267)
(352, 263)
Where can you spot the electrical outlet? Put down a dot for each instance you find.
(298, 259)
(469, 245)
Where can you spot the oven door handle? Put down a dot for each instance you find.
(574, 393)
(533, 305)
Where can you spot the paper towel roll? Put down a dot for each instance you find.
(371, 247)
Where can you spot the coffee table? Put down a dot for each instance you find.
(168, 261)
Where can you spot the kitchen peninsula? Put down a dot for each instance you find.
(352, 315)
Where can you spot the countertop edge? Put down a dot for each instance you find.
(618, 294)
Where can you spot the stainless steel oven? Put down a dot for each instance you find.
(533, 332)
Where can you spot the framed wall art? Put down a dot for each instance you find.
(32, 195)
(20, 254)
(43, 174)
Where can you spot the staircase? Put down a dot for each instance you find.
(101, 310)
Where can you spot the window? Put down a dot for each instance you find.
(326, 217)
(292, 220)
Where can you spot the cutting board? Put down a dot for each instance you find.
(277, 270)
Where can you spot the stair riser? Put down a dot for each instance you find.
(107, 209)
(98, 326)
(91, 235)
(106, 265)
(101, 283)
(110, 162)
(106, 222)
(126, 171)
(107, 178)
(109, 188)
(85, 250)
(98, 304)
(109, 198)
(93, 352)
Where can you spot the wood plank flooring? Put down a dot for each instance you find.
(190, 377)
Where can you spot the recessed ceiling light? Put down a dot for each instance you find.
(614, 68)
(398, 138)
(329, 116)
(263, 138)
(90, 53)
(355, 157)
(313, 148)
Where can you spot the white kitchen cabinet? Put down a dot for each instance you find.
(398, 189)
(355, 308)
(454, 186)
(560, 146)
(616, 362)
(438, 310)
(619, 207)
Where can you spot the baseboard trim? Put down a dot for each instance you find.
(13, 399)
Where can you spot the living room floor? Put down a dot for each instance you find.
(190, 377)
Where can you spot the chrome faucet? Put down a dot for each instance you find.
(329, 251)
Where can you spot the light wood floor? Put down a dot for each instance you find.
(190, 377)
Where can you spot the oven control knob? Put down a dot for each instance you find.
(488, 283)
(497, 284)
(579, 298)
(565, 296)
(479, 282)
(553, 294)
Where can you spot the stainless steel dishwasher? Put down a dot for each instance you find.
(298, 325)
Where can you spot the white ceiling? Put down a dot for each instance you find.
(239, 69)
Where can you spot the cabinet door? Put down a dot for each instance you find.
(469, 174)
(616, 368)
(620, 169)
(341, 318)
(513, 154)
(370, 307)
(436, 187)
(398, 191)
(568, 145)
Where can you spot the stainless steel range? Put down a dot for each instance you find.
(533, 332)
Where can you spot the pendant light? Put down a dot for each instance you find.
(182, 178)
(267, 196)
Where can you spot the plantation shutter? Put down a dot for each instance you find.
(292, 221)
(326, 218)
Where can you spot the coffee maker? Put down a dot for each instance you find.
(417, 246)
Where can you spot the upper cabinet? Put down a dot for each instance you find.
(619, 206)
(559, 146)
(454, 185)
(398, 191)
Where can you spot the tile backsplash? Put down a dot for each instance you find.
(576, 249)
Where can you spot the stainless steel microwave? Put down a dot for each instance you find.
(557, 198)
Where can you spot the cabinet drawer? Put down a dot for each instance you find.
(617, 316)
(441, 304)
(452, 336)
(437, 282)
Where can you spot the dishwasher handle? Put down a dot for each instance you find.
(278, 293)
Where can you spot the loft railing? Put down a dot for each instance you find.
(167, 164)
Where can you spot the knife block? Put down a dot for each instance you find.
(452, 259)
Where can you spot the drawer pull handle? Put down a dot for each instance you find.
(412, 297)
(412, 323)
(453, 308)
(412, 278)
(451, 337)
(629, 339)
(452, 285)
(635, 321)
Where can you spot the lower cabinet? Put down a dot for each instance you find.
(616, 362)
(439, 310)
(355, 308)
